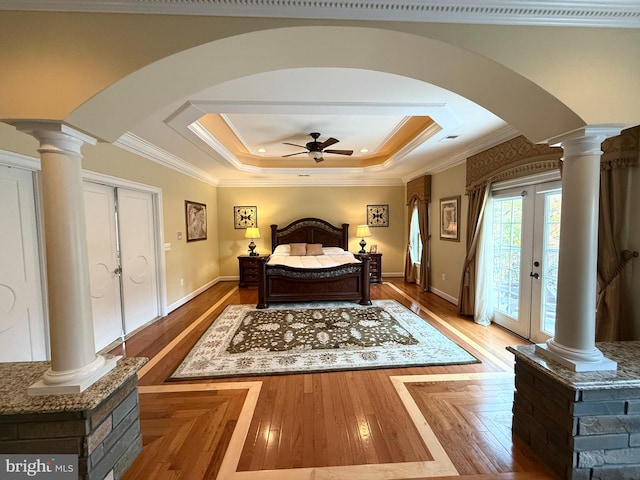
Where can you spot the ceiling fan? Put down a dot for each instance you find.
(315, 149)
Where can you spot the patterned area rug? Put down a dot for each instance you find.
(317, 337)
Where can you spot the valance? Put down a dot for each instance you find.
(419, 189)
(622, 150)
(515, 158)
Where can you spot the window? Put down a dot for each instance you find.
(415, 241)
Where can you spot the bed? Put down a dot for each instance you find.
(285, 283)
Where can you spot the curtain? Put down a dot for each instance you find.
(423, 223)
(613, 316)
(409, 265)
(484, 306)
(477, 201)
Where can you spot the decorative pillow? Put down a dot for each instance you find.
(298, 249)
(282, 249)
(314, 249)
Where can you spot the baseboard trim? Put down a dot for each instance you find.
(444, 295)
(195, 293)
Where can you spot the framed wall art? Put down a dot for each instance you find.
(449, 218)
(244, 217)
(378, 215)
(196, 217)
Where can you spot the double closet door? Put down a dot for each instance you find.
(122, 260)
(22, 323)
(523, 248)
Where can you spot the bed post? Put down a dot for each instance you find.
(262, 282)
(345, 236)
(365, 280)
(274, 240)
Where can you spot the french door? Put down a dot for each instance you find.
(523, 244)
(122, 260)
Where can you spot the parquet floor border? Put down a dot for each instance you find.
(440, 466)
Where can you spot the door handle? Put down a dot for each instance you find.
(118, 271)
(534, 275)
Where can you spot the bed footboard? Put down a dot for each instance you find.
(277, 283)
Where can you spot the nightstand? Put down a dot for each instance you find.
(375, 266)
(248, 267)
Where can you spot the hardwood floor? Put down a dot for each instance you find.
(421, 422)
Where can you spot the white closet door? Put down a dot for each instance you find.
(99, 204)
(138, 258)
(22, 326)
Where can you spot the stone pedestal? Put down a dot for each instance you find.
(584, 426)
(100, 425)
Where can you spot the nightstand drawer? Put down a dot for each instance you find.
(248, 270)
(375, 266)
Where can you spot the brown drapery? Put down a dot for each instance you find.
(419, 194)
(515, 158)
(477, 201)
(613, 314)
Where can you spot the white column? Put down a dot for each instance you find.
(573, 343)
(74, 363)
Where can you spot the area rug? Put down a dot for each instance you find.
(315, 337)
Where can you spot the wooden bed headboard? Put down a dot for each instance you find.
(311, 230)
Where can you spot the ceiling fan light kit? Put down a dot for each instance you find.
(316, 149)
(317, 156)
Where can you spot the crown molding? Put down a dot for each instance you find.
(585, 13)
(311, 180)
(137, 145)
(446, 162)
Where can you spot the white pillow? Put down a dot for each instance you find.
(333, 250)
(282, 249)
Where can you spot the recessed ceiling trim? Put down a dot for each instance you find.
(409, 147)
(236, 132)
(203, 134)
(585, 13)
(440, 112)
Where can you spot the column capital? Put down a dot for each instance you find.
(55, 136)
(586, 140)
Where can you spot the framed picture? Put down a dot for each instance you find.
(378, 215)
(196, 216)
(449, 213)
(244, 217)
(373, 249)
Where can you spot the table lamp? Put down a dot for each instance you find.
(362, 231)
(252, 232)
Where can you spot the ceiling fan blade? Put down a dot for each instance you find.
(292, 154)
(293, 144)
(328, 142)
(340, 152)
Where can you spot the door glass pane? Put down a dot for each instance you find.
(507, 240)
(550, 261)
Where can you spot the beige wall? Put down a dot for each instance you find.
(337, 205)
(447, 257)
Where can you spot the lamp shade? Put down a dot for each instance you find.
(363, 231)
(252, 232)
